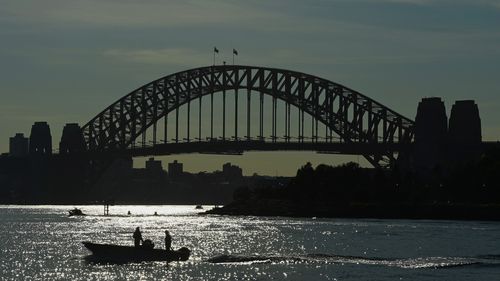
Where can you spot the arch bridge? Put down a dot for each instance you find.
(234, 108)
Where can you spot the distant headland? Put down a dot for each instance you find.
(468, 192)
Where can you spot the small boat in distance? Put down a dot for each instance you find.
(198, 207)
(76, 212)
(108, 253)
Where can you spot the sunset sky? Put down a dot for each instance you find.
(64, 61)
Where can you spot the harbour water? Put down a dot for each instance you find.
(43, 243)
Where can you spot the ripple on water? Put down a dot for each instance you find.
(42, 243)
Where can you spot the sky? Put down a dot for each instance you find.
(64, 61)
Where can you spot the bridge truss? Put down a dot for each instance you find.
(343, 114)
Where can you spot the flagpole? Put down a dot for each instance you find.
(215, 51)
(235, 53)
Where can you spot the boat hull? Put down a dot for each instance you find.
(76, 212)
(123, 254)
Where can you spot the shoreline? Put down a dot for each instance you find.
(456, 212)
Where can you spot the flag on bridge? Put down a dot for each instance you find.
(215, 51)
(235, 53)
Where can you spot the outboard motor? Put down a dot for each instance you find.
(148, 244)
(184, 254)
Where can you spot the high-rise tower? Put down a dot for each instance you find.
(18, 145)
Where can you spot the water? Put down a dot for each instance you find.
(42, 243)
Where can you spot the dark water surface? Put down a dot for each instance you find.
(43, 243)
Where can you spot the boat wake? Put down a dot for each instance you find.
(407, 263)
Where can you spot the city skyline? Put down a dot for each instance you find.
(65, 62)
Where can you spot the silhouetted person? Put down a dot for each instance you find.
(129, 213)
(168, 240)
(156, 213)
(137, 237)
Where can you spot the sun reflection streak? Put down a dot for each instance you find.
(43, 243)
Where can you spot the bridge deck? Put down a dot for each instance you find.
(238, 147)
(232, 147)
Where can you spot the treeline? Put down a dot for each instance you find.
(472, 183)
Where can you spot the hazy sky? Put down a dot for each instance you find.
(65, 60)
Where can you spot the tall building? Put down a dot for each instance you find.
(40, 139)
(154, 165)
(18, 145)
(175, 169)
(231, 172)
(72, 140)
(431, 130)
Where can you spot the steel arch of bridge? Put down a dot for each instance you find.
(354, 117)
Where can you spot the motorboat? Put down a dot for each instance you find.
(76, 212)
(125, 254)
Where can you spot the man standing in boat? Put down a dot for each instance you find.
(168, 240)
(137, 237)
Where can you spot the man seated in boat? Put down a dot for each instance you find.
(168, 240)
(137, 237)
